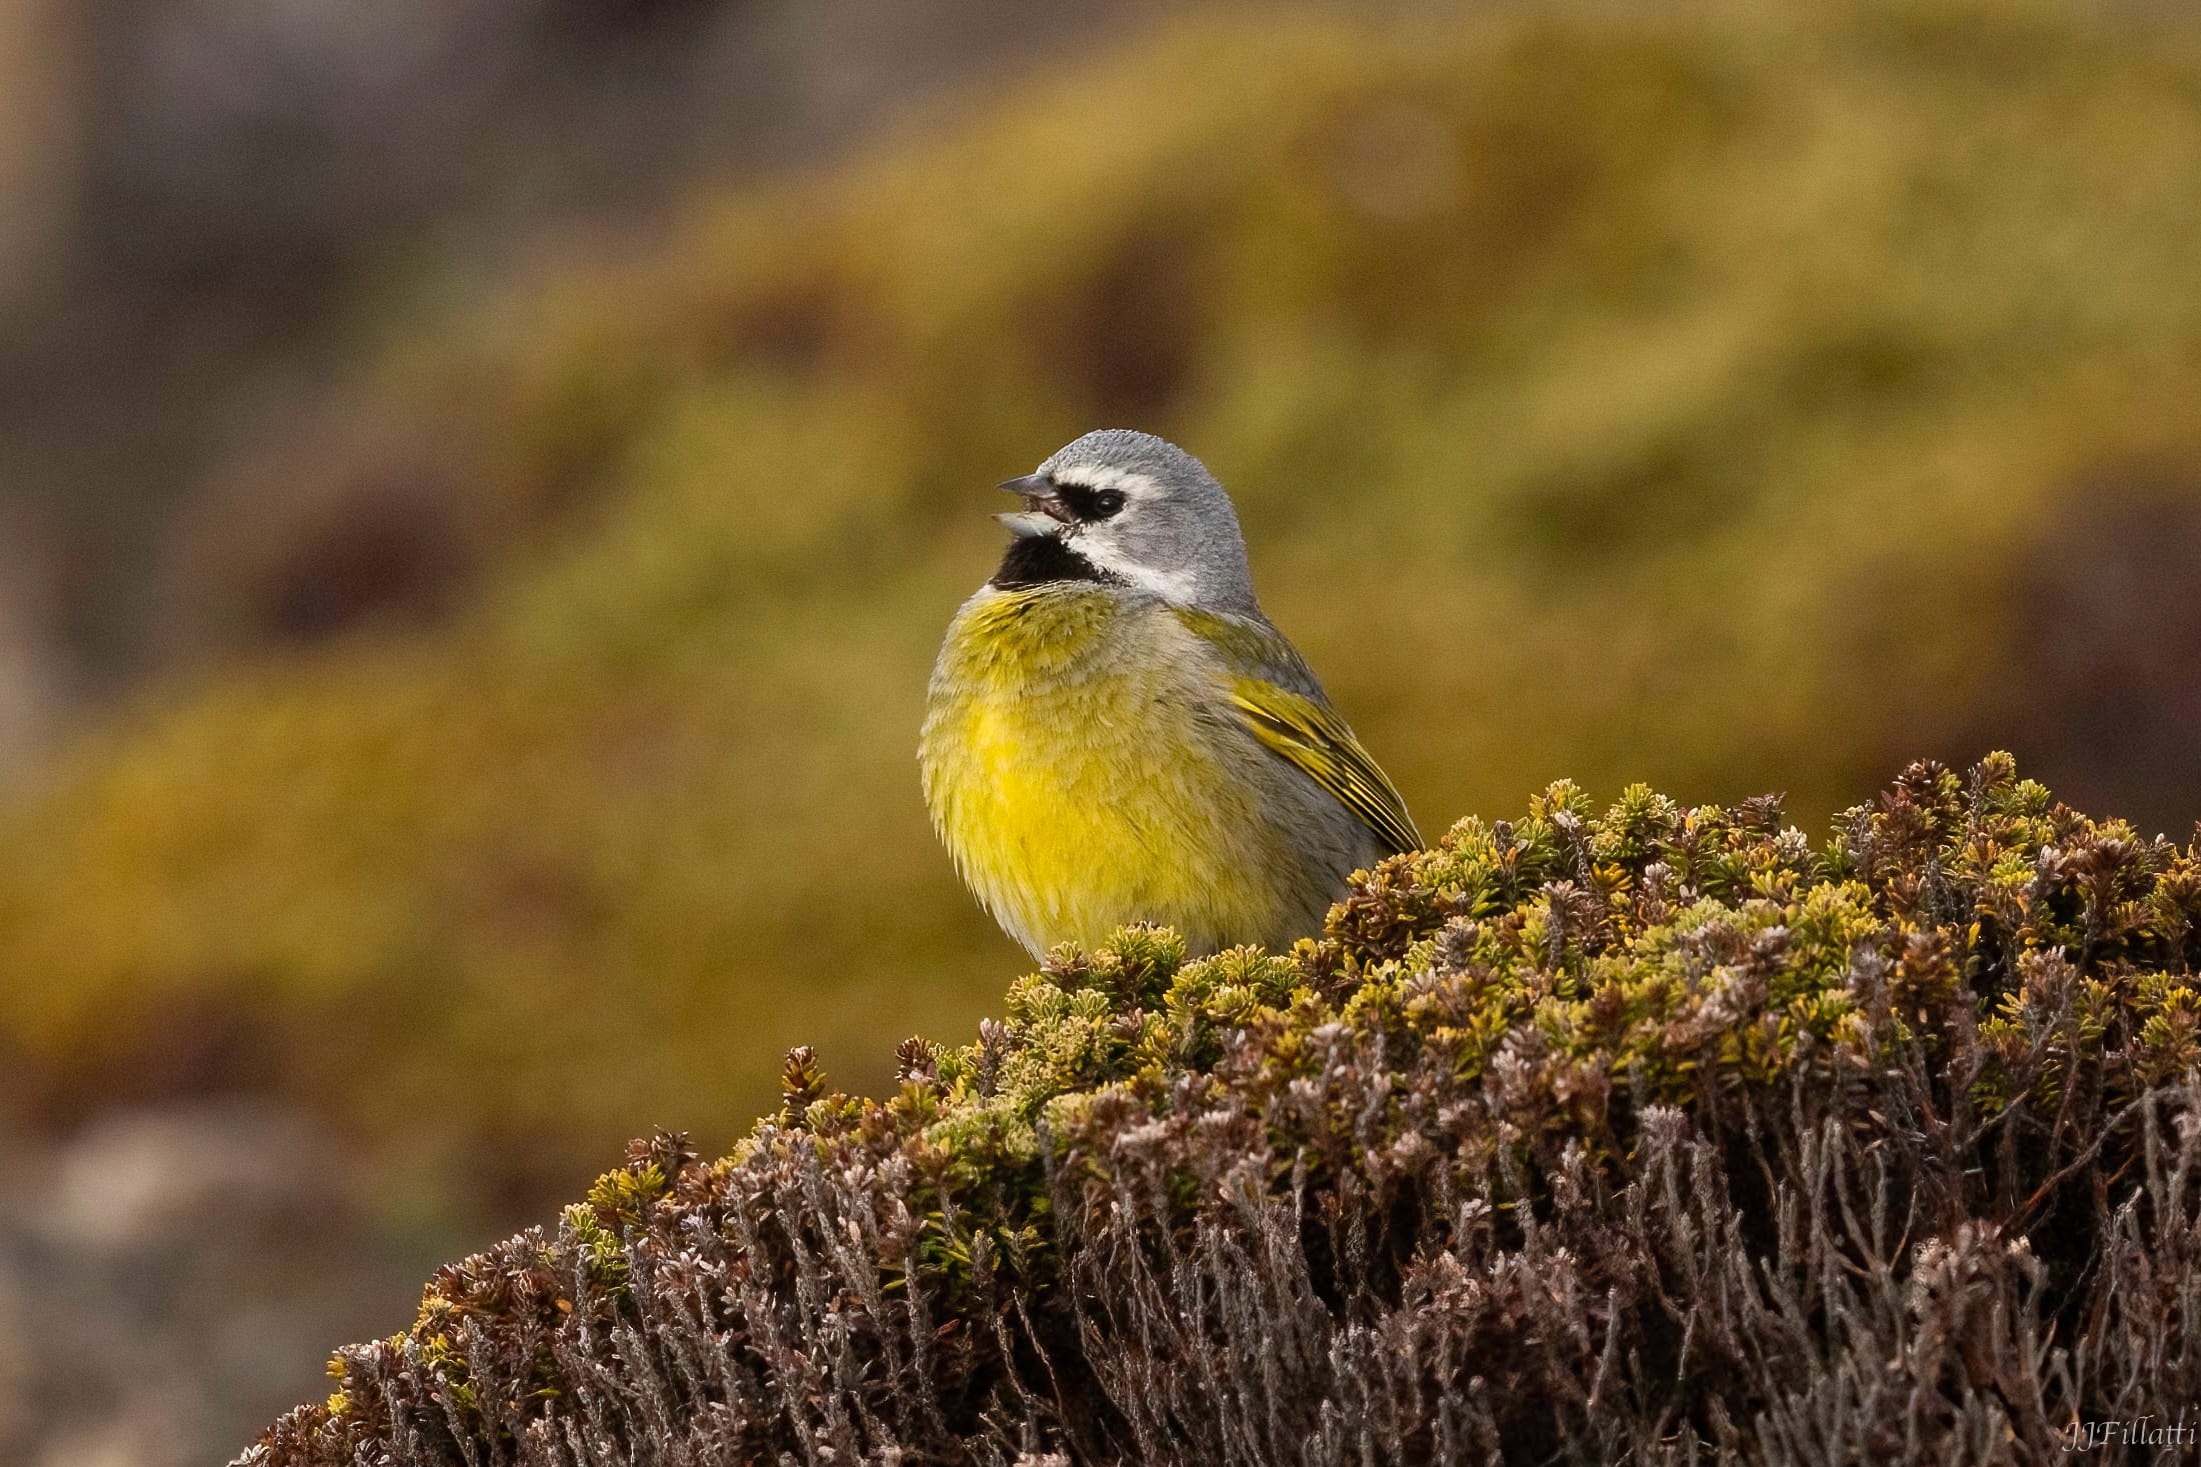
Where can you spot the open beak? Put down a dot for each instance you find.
(1044, 512)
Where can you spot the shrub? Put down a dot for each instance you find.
(1647, 1135)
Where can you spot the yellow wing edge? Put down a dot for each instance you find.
(1318, 743)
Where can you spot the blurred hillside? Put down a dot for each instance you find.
(216, 206)
(1724, 401)
(1731, 398)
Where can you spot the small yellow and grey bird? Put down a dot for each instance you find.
(1115, 733)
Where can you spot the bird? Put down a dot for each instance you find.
(1115, 733)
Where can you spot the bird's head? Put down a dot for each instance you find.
(1129, 508)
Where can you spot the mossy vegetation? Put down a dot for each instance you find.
(1642, 1134)
(1681, 394)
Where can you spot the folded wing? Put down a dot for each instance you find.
(1285, 709)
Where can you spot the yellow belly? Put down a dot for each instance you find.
(1078, 776)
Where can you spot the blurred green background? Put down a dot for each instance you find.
(482, 487)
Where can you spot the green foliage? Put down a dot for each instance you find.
(1973, 994)
(1674, 393)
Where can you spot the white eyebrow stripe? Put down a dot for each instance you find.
(1101, 476)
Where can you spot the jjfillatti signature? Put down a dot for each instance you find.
(2141, 1431)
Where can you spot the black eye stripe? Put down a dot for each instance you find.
(1088, 503)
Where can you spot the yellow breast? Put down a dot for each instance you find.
(1079, 773)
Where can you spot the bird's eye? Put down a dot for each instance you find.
(1107, 503)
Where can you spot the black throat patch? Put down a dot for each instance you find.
(1041, 560)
